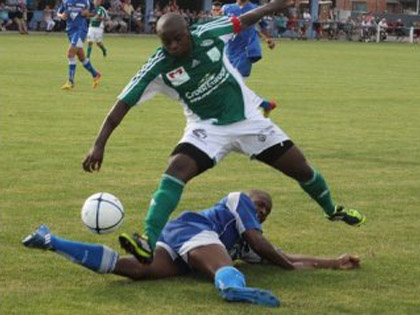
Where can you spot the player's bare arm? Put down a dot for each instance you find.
(343, 262)
(88, 14)
(253, 16)
(267, 38)
(265, 250)
(93, 160)
(62, 16)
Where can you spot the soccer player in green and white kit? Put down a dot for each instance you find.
(96, 28)
(222, 116)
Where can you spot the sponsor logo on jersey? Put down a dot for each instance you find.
(207, 85)
(207, 42)
(214, 54)
(178, 76)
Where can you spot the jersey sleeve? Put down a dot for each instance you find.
(224, 28)
(145, 84)
(243, 209)
(61, 8)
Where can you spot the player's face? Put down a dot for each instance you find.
(176, 41)
(263, 206)
(217, 10)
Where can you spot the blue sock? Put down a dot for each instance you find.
(229, 277)
(98, 258)
(88, 66)
(72, 69)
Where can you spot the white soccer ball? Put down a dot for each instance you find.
(102, 213)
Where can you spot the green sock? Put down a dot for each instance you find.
(318, 190)
(103, 50)
(164, 201)
(89, 51)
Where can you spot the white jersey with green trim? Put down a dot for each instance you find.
(205, 82)
(99, 12)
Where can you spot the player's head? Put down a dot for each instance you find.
(97, 3)
(216, 9)
(263, 203)
(174, 34)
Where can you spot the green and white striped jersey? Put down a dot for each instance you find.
(205, 82)
(94, 21)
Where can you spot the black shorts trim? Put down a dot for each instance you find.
(203, 161)
(270, 155)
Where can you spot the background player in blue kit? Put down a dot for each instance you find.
(76, 13)
(245, 48)
(199, 241)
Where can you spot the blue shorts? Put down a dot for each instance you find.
(243, 63)
(77, 37)
(185, 233)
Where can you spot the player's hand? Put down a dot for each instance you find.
(271, 43)
(62, 16)
(86, 13)
(93, 160)
(347, 261)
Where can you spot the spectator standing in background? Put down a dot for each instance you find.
(4, 17)
(48, 19)
(17, 13)
(399, 30)
(138, 20)
(128, 11)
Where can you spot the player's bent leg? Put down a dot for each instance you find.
(162, 267)
(288, 159)
(186, 162)
(96, 75)
(209, 258)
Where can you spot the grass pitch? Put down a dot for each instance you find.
(353, 108)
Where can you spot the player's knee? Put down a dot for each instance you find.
(182, 167)
(190, 159)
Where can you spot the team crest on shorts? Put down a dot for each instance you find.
(178, 76)
(200, 133)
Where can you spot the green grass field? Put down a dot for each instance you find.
(353, 108)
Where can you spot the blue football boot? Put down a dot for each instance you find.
(40, 239)
(250, 295)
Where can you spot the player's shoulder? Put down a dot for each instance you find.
(207, 29)
(155, 61)
(237, 199)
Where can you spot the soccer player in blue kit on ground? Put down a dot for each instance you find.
(245, 48)
(206, 241)
(76, 14)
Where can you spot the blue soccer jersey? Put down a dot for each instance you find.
(73, 9)
(244, 48)
(229, 218)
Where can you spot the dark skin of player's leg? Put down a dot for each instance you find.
(206, 259)
(292, 163)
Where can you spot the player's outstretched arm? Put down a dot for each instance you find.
(265, 250)
(93, 160)
(253, 16)
(343, 262)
